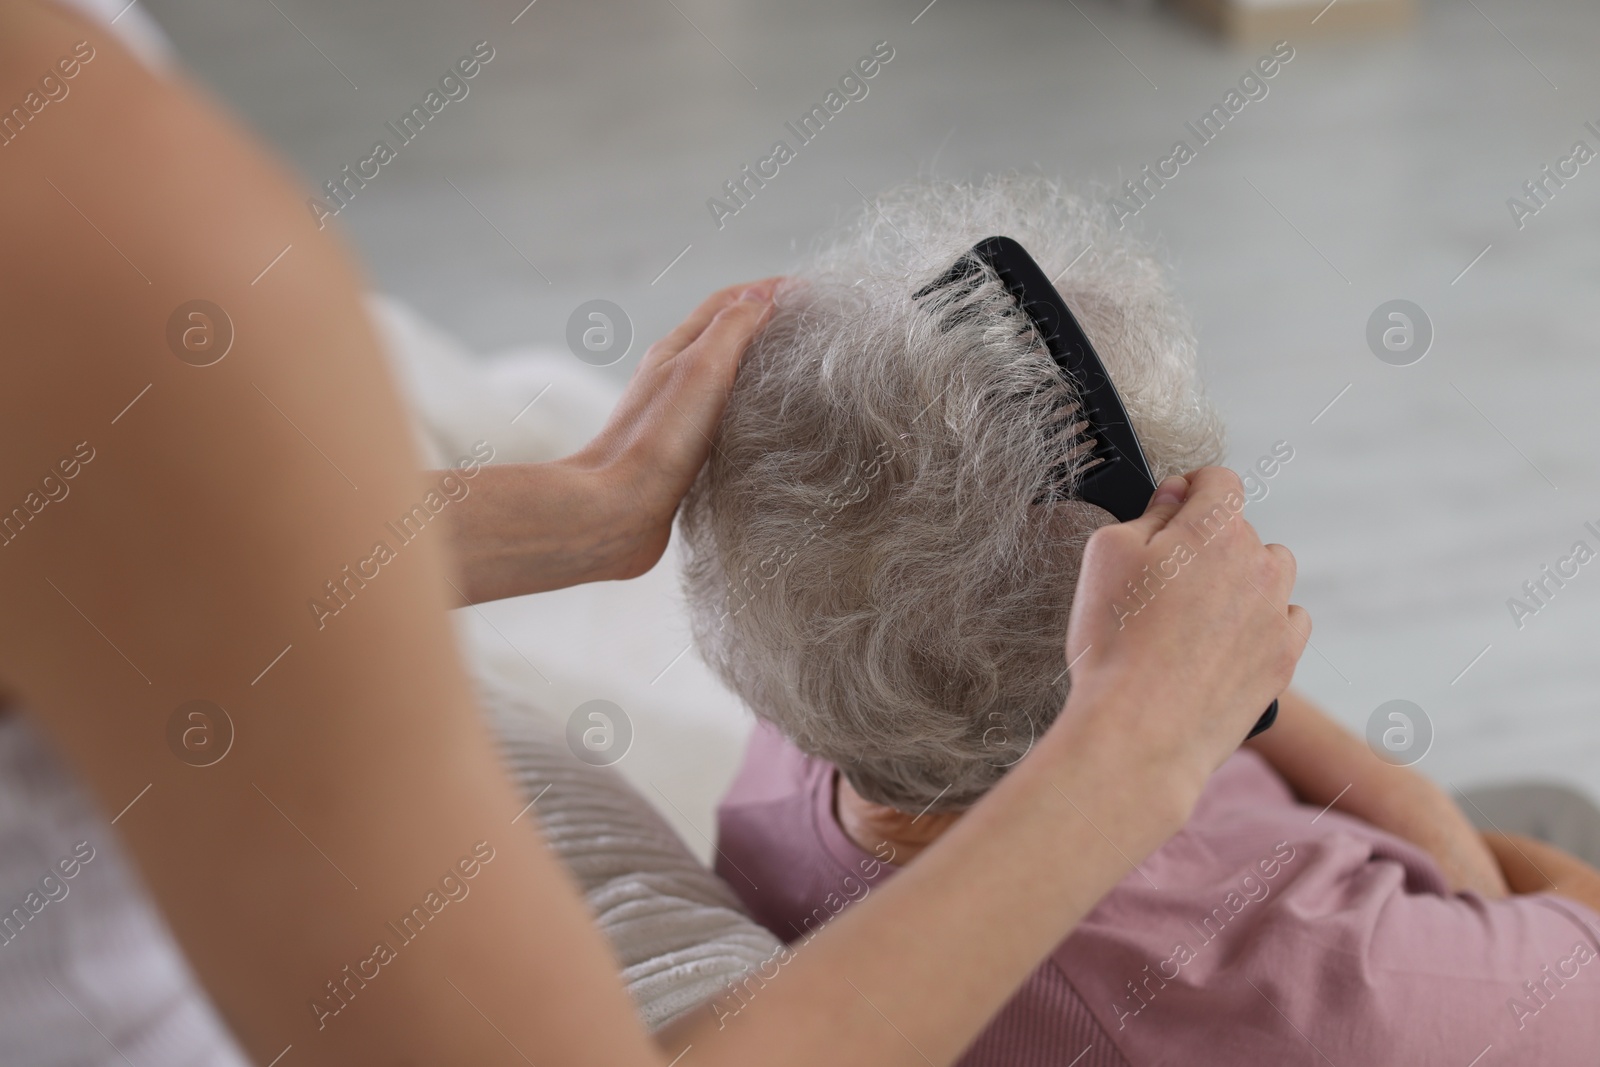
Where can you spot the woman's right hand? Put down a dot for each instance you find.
(1532, 866)
(1181, 630)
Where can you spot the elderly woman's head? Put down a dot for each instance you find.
(874, 560)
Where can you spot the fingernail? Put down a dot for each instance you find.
(757, 292)
(1171, 490)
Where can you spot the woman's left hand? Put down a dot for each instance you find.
(606, 511)
(660, 434)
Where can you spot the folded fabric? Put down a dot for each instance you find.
(679, 932)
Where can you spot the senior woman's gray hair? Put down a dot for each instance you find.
(873, 560)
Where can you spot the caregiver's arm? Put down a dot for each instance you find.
(1325, 764)
(168, 532)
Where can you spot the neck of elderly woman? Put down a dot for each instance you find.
(871, 825)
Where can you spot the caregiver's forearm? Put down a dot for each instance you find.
(531, 527)
(917, 968)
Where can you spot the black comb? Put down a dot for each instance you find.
(1115, 475)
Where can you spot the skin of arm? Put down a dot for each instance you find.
(180, 560)
(211, 505)
(1531, 866)
(1326, 764)
(521, 531)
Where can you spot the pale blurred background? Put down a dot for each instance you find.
(1377, 167)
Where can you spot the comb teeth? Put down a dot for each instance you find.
(950, 297)
(1086, 455)
(964, 269)
(1102, 462)
(1068, 421)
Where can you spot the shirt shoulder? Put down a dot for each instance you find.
(778, 846)
(773, 770)
(1290, 934)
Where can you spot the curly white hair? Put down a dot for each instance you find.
(873, 559)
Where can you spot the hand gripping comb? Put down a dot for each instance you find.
(1114, 476)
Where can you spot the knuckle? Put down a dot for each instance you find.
(1113, 539)
(1107, 546)
(1287, 658)
(742, 314)
(1268, 566)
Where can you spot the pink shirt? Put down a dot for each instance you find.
(1265, 932)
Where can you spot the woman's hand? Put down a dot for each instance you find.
(1186, 585)
(660, 434)
(1532, 866)
(606, 512)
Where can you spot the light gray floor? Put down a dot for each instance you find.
(1417, 504)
